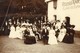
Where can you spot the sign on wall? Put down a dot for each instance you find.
(69, 4)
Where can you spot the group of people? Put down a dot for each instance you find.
(49, 33)
(54, 33)
(58, 32)
(19, 30)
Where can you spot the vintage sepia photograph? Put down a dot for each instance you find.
(39, 26)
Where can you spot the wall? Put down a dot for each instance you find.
(51, 11)
(69, 8)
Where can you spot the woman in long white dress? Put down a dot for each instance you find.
(22, 29)
(18, 31)
(62, 34)
(52, 38)
(12, 32)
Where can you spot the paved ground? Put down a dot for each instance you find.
(8, 45)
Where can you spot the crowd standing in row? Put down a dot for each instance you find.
(49, 33)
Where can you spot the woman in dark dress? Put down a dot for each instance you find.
(69, 38)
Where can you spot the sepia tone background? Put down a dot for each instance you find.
(32, 8)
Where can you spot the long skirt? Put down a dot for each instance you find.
(68, 39)
(52, 39)
(12, 34)
(29, 40)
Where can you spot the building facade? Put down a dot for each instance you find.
(64, 8)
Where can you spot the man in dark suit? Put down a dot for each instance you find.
(45, 34)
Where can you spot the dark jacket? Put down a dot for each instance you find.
(45, 33)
